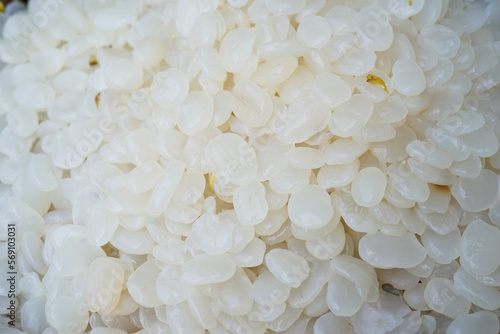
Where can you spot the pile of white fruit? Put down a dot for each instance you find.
(250, 167)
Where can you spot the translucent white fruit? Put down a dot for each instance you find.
(103, 275)
(384, 251)
(250, 203)
(275, 71)
(442, 296)
(285, 320)
(477, 194)
(314, 31)
(414, 297)
(101, 225)
(31, 247)
(181, 319)
(232, 150)
(407, 184)
(404, 9)
(34, 95)
(208, 269)
(274, 220)
(373, 133)
(482, 142)
(238, 3)
(122, 74)
(317, 61)
(306, 158)
(33, 310)
(169, 88)
(360, 273)
(341, 19)
(374, 29)
(149, 51)
(487, 321)
(394, 150)
(464, 18)
(442, 248)
(44, 174)
(318, 306)
(314, 234)
(272, 159)
(344, 151)
(133, 242)
(288, 267)
(479, 253)
(195, 113)
(304, 118)
(429, 323)
(407, 77)
(368, 187)
(428, 154)
(327, 321)
(354, 61)
(24, 73)
(63, 312)
(261, 314)
(486, 297)
(465, 56)
(164, 189)
(170, 290)
(234, 296)
(284, 6)
(23, 122)
(211, 235)
(251, 104)
(451, 144)
(267, 289)
(143, 177)
(470, 167)
(211, 64)
(311, 207)
(312, 286)
(290, 180)
(252, 255)
(199, 305)
(441, 39)
(387, 307)
(440, 74)
(106, 330)
(236, 47)
(325, 83)
(426, 58)
(430, 174)
(354, 216)
(140, 145)
(463, 122)
(342, 298)
(439, 200)
(340, 47)
(337, 176)
(190, 12)
(350, 117)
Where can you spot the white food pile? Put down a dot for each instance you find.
(251, 166)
